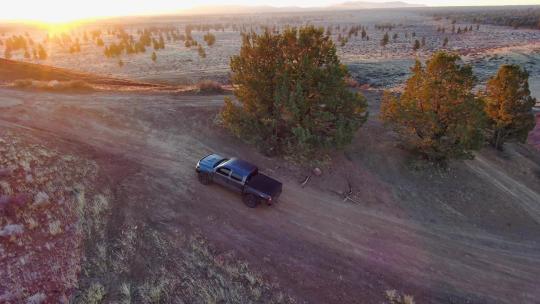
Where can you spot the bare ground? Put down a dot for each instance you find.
(467, 235)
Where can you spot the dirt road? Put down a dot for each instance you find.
(470, 235)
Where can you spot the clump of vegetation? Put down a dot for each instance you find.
(394, 297)
(209, 86)
(210, 39)
(509, 106)
(438, 115)
(385, 39)
(154, 57)
(53, 85)
(416, 45)
(41, 52)
(293, 93)
(201, 52)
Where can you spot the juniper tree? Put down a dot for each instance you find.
(508, 105)
(416, 45)
(385, 39)
(292, 93)
(437, 115)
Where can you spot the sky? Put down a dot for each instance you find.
(70, 10)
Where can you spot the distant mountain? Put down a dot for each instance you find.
(372, 5)
(247, 9)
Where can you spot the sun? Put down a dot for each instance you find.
(53, 12)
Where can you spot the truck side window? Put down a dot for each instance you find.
(224, 171)
(236, 177)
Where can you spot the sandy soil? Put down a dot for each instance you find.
(469, 235)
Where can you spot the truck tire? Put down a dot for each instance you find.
(250, 200)
(204, 178)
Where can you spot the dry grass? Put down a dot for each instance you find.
(394, 297)
(36, 182)
(94, 294)
(53, 85)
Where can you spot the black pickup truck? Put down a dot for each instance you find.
(240, 176)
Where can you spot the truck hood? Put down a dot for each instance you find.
(210, 161)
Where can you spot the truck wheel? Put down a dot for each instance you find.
(204, 178)
(251, 200)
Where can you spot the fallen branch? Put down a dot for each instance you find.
(306, 180)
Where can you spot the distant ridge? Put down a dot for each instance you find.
(372, 5)
(247, 9)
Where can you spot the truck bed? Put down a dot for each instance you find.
(265, 184)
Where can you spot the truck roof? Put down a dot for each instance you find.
(239, 166)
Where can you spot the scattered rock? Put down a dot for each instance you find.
(37, 298)
(317, 172)
(41, 198)
(11, 229)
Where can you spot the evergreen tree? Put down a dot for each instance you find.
(437, 115)
(416, 45)
(385, 39)
(7, 53)
(201, 52)
(42, 54)
(293, 93)
(210, 39)
(509, 105)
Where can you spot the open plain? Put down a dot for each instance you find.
(111, 210)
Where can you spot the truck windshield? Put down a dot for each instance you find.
(220, 162)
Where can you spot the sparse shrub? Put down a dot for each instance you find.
(125, 291)
(201, 52)
(153, 292)
(94, 294)
(32, 223)
(438, 115)
(394, 297)
(53, 85)
(509, 106)
(210, 86)
(42, 54)
(55, 227)
(293, 93)
(210, 38)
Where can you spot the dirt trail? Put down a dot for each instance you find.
(317, 247)
(525, 197)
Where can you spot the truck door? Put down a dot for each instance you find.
(222, 176)
(236, 182)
